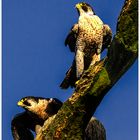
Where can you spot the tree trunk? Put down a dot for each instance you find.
(71, 120)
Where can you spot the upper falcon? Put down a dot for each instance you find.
(87, 39)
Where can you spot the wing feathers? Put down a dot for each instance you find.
(71, 38)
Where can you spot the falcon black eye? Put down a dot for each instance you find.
(27, 103)
(85, 8)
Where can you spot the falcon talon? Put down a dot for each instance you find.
(77, 82)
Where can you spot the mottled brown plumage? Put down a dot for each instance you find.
(88, 38)
(71, 38)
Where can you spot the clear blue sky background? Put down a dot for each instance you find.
(35, 61)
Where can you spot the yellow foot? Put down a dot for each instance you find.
(76, 83)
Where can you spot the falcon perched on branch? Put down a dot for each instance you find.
(88, 38)
(37, 110)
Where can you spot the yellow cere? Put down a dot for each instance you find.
(22, 100)
(78, 5)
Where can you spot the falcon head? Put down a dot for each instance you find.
(41, 107)
(85, 8)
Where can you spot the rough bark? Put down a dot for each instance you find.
(71, 120)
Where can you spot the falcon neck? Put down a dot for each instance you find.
(87, 14)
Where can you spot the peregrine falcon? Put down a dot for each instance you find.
(88, 38)
(37, 110)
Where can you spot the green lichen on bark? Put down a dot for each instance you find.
(127, 27)
(72, 119)
(102, 81)
(124, 48)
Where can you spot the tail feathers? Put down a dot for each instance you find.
(65, 84)
(70, 78)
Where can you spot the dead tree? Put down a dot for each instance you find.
(70, 122)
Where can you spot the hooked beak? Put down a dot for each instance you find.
(20, 103)
(78, 6)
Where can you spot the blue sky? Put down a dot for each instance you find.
(35, 61)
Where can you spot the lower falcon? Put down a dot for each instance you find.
(37, 110)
